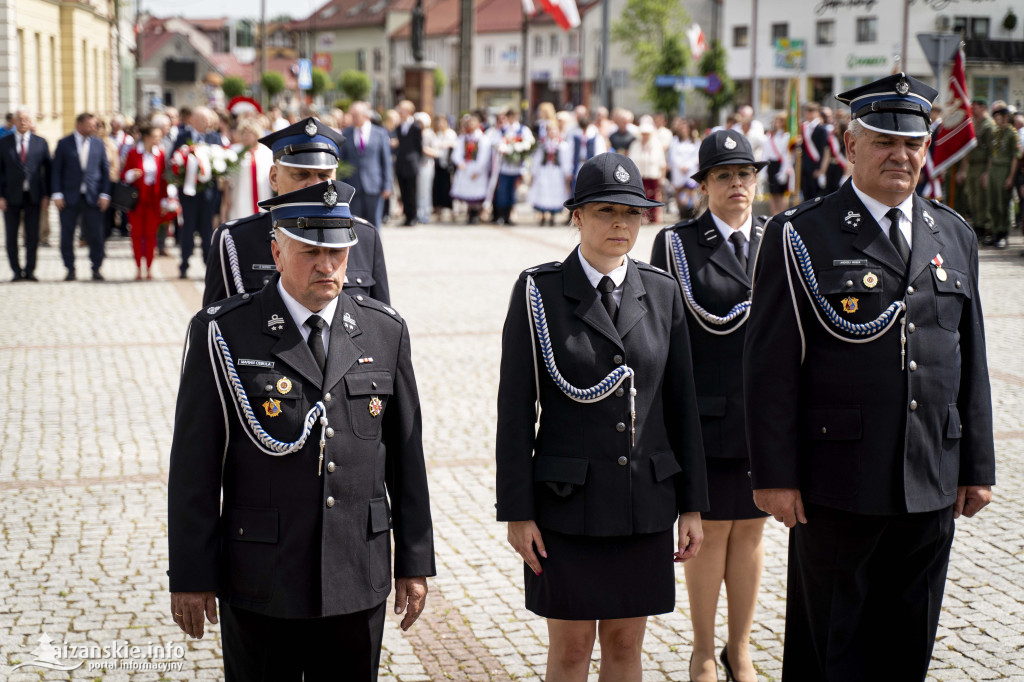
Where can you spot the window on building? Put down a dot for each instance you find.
(538, 46)
(54, 108)
(779, 31)
(431, 53)
(488, 55)
(378, 59)
(361, 60)
(39, 72)
(991, 88)
(867, 29)
(555, 44)
(21, 64)
(971, 27)
(513, 55)
(740, 36)
(574, 42)
(825, 32)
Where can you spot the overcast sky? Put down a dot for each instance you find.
(238, 9)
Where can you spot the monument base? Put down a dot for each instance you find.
(419, 86)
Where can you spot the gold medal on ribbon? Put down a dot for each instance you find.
(284, 385)
(870, 280)
(376, 406)
(941, 274)
(850, 304)
(272, 407)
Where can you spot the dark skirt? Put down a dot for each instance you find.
(598, 578)
(729, 491)
(442, 190)
(774, 186)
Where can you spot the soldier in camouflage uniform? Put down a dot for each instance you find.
(1002, 169)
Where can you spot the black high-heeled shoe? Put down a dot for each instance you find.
(724, 657)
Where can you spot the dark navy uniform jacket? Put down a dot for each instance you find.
(284, 540)
(600, 484)
(844, 423)
(366, 273)
(718, 283)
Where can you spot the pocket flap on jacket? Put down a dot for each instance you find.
(359, 278)
(954, 427)
(849, 281)
(834, 423)
(369, 383)
(711, 405)
(561, 469)
(665, 465)
(954, 283)
(251, 524)
(380, 515)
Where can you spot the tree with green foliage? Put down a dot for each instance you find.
(355, 84)
(713, 61)
(233, 86)
(321, 82)
(644, 29)
(673, 61)
(440, 81)
(273, 84)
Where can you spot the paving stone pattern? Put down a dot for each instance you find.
(90, 371)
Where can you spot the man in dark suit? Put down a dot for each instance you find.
(407, 160)
(240, 260)
(81, 188)
(24, 190)
(297, 445)
(814, 141)
(867, 399)
(197, 210)
(367, 148)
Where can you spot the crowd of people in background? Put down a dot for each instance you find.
(415, 168)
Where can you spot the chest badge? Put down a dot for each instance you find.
(870, 280)
(940, 272)
(272, 407)
(276, 322)
(376, 406)
(284, 385)
(850, 304)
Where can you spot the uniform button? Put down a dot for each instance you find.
(824, 429)
(913, 405)
(373, 384)
(911, 328)
(331, 467)
(623, 461)
(617, 359)
(750, 292)
(359, 298)
(330, 502)
(849, 283)
(620, 392)
(913, 366)
(269, 387)
(245, 297)
(241, 531)
(359, 280)
(330, 432)
(958, 284)
(910, 290)
(327, 397)
(620, 427)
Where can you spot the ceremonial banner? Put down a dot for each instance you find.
(955, 135)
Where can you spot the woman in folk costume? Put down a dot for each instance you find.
(591, 493)
(780, 163)
(144, 168)
(472, 160)
(551, 168)
(713, 258)
(250, 184)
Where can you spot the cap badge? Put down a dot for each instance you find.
(729, 143)
(621, 175)
(311, 128)
(902, 86)
(330, 197)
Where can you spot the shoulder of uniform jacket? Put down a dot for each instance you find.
(798, 211)
(938, 204)
(220, 308)
(373, 304)
(647, 267)
(544, 269)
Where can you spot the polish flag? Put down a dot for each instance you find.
(564, 11)
(955, 136)
(698, 42)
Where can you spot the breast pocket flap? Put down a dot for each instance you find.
(561, 469)
(838, 423)
(851, 281)
(954, 283)
(665, 465)
(251, 524)
(370, 383)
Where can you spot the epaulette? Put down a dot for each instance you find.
(939, 204)
(374, 304)
(553, 266)
(681, 224)
(218, 309)
(650, 268)
(798, 210)
(232, 224)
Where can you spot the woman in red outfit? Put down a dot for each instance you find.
(144, 168)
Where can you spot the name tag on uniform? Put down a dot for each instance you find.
(265, 364)
(264, 266)
(850, 263)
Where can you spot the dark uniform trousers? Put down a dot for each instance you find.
(876, 450)
(365, 274)
(581, 473)
(298, 547)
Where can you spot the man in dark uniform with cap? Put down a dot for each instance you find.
(867, 396)
(297, 445)
(304, 154)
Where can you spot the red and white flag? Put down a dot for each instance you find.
(955, 136)
(698, 42)
(564, 12)
(529, 8)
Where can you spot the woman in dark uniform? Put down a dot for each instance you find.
(713, 257)
(591, 493)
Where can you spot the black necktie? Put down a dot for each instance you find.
(316, 340)
(896, 234)
(606, 286)
(738, 240)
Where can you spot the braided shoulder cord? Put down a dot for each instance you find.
(236, 270)
(263, 440)
(870, 331)
(674, 245)
(542, 337)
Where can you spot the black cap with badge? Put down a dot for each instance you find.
(317, 215)
(310, 143)
(724, 148)
(610, 178)
(895, 105)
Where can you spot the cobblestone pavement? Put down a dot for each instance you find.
(90, 374)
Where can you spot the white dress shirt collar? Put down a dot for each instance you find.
(301, 313)
(726, 231)
(618, 275)
(878, 210)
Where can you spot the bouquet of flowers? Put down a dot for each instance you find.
(471, 149)
(515, 149)
(194, 166)
(550, 145)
